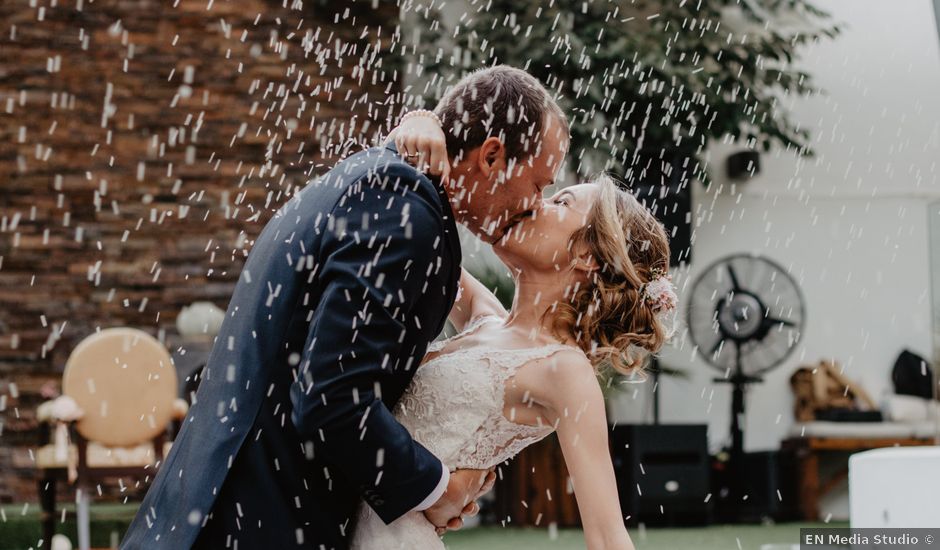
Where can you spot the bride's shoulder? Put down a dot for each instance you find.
(563, 363)
(568, 380)
(566, 357)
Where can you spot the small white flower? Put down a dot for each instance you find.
(65, 409)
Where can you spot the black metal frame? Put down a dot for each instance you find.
(49, 477)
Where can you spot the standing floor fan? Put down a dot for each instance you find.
(745, 316)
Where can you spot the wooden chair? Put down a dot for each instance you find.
(124, 385)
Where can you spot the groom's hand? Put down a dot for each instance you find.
(464, 487)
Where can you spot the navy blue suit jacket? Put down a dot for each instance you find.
(291, 428)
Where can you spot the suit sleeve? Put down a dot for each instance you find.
(375, 265)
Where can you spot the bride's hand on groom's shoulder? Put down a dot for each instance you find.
(459, 500)
(421, 142)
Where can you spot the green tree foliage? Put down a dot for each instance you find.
(639, 77)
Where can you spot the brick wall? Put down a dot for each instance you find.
(143, 143)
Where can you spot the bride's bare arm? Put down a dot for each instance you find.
(475, 300)
(573, 398)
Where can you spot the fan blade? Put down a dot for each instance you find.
(759, 355)
(774, 321)
(715, 347)
(735, 285)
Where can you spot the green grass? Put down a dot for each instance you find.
(19, 530)
(718, 537)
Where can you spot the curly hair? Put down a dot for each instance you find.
(609, 317)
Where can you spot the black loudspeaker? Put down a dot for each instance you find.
(662, 183)
(772, 477)
(772, 489)
(743, 165)
(662, 473)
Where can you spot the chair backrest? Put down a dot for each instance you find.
(124, 380)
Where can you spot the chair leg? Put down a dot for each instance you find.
(82, 504)
(47, 485)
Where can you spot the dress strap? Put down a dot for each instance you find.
(474, 323)
(477, 321)
(510, 360)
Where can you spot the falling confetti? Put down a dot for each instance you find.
(146, 150)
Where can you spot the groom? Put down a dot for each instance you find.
(341, 294)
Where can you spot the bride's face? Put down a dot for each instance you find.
(541, 242)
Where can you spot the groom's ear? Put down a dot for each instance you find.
(491, 159)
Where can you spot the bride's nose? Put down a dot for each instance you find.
(535, 204)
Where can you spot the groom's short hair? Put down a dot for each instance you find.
(500, 101)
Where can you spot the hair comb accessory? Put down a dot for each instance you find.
(660, 293)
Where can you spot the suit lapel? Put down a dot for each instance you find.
(453, 256)
(453, 249)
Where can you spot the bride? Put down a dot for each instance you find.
(591, 291)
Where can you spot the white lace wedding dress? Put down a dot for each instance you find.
(454, 407)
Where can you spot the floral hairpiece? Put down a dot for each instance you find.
(659, 291)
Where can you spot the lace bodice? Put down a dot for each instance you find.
(455, 404)
(455, 407)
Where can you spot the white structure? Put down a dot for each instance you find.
(852, 223)
(897, 487)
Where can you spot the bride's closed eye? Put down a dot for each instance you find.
(563, 198)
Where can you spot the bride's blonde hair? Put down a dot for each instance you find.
(612, 322)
